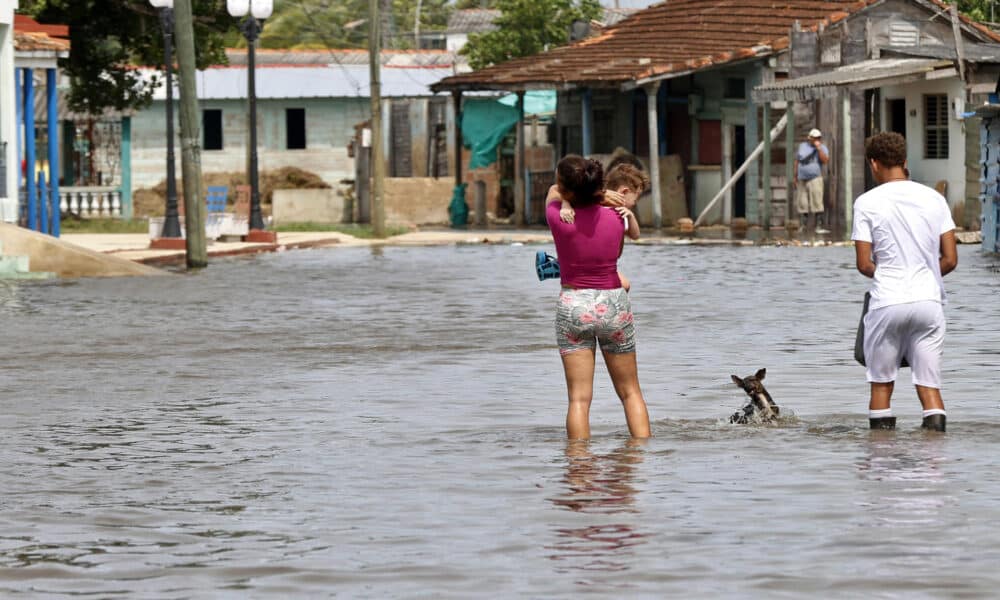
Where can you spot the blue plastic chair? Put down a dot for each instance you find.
(216, 198)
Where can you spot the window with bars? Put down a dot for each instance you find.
(936, 126)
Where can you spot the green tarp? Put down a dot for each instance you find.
(484, 124)
(536, 102)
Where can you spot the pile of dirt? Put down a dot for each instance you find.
(151, 202)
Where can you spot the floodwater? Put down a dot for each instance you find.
(388, 423)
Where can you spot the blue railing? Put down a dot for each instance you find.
(42, 207)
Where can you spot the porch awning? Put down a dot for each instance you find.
(860, 76)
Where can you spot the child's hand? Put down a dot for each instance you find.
(567, 214)
(624, 212)
(613, 198)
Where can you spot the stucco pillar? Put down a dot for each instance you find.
(847, 173)
(727, 171)
(766, 175)
(652, 121)
(789, 161)
(126, 162)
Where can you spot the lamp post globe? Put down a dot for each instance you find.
(171, 220)
(261, 9)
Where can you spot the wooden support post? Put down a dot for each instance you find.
(456, 98)
(194, 201)
(766, 175)
(587, 122)
(378, 148)
(652, 118)
(520, 194)
(848, 174)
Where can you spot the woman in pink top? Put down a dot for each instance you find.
(593, 307)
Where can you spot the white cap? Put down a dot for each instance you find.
(815, 133)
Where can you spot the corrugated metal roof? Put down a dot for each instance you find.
(332, 81)
(395, 58)
(865, 74)
(472, 20)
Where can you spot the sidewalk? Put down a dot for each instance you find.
(135, 246)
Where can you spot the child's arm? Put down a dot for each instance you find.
(566, 212)
(632, 223)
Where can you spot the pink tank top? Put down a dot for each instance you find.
(588, 248)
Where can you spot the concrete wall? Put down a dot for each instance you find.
(329, 127)
(930, 171)
(300, 206)
(8, 112)
(417, 200)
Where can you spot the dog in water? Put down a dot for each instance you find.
(760, 408)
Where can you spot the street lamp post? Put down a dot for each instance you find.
(255, 12)
(171, 221)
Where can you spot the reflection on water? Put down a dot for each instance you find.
(604, 484)
(907, 485)
(388, 423)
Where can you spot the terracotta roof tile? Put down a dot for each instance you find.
(35, 42)
(673, 36)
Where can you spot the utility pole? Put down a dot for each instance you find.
(194, 206)
(378, 156)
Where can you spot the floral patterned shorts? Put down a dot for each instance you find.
(586, 317)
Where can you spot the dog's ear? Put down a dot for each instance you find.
(737, 380)
(760, 374)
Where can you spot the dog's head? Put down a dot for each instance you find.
(752, 385)
(760, 400)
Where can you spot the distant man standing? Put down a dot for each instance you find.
(904, 239)
(809, 160)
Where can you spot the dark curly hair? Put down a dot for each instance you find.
(583, 178)
(887, 147)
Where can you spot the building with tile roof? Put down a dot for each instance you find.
(29, 54)
(701, 60)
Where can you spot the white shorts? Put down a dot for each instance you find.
(914, 330)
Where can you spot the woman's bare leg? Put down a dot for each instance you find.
(579, 368)
(625, 377)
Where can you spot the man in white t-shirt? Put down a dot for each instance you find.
(904, 239)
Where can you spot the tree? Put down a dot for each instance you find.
(108, 38)
(467, 4)
(527, 27)
(979, 10)
(344, 23)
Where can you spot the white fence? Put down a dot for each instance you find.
(91, 201)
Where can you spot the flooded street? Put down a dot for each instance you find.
(389, 423)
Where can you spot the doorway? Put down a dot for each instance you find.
(739, 156)
(897, 115)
